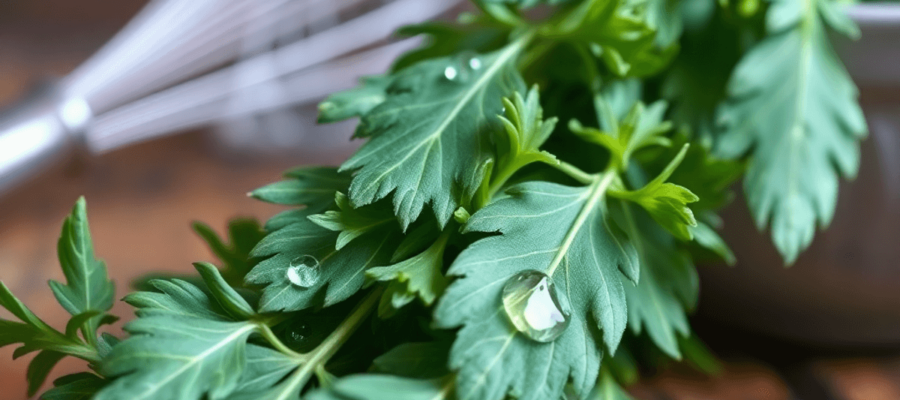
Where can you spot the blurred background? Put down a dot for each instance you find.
(828, 328)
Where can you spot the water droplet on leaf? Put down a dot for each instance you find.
(450, 73)
(303, 271)
(298, 336)
(474, 63)
(533, 305)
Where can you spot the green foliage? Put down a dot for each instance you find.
(419, 276)
(667, 202)
(87, 288)
(355, 102)
(615, 215)
(435, 114)
(564, 232)
(87, 295)
(641, 127)
(349, 222)
(243, 235)
(608, 389)
(80, 386)
(668, 285)
(341, 272)
(793, 108)
(617, 34)
(310, 187)
(386, 387)
(183, 345)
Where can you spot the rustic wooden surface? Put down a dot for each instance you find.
(141, 201)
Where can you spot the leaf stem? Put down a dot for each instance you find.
(599, 185)
(325, 350)
(500, 13)
(84, 352)
(270, 336)
(576, 173)
(501, 179)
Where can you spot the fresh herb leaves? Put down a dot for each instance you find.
(557, 254)
(792, 106)
(88, 295)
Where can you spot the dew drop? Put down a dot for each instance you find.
(303, 271)
(533, 306)
(450, 73)
(298, 336)
(474, 63)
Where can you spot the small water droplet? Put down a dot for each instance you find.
(533, 305)
(450, 73)
(298, 335)
(474, 63)
(303, 271)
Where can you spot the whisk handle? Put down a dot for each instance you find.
(38, 133)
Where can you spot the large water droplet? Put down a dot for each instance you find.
(534, 306)
(474, 63)
(450, 73)
(303, 271)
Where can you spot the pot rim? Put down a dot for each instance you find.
(875, 14)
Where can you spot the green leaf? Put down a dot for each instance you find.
(34, 334)
(355, 102)
(176, 298)
(243, 235)
(80, 386)
(174, 357)
(641, 128)
(39, 368)
(695, 84)
(264, 369)
(415, 360)
(419, 238)
(793, 108)
(427, 139)
(182, 346)
(705, 175)
(87, 287)
(524, 131)
(708, 238)
(608, 389)
(614, 33)
(350, 222)
(623, 366)
(527, 3)
(313, 187)
(386, 387)
(419, 276)
(565, 233)
(667, 202)
(341, 272)
(697, 354)
(225, 295)
(664, 17)
(443, 39)
(668, 284)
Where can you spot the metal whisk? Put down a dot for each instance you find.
(181, 64)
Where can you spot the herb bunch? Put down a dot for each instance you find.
(522, 220)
